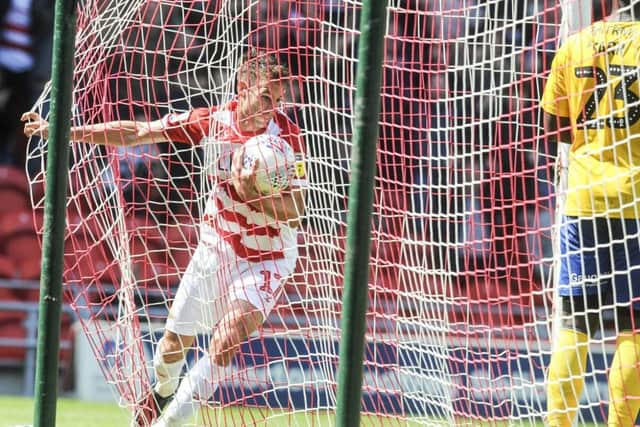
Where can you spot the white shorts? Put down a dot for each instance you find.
(214, 278)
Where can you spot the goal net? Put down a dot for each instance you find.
(461, 274)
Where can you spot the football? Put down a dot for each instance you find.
(276, 162)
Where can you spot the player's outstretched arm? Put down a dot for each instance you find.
(124, 133)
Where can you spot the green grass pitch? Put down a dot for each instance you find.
(18, 411)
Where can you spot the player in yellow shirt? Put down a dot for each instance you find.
(592, 102)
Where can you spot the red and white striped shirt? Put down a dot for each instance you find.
(252, 234)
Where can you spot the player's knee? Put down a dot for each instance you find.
(222, 358)
(223, 346)
(222, 349)
(172, 347)
(222, 352)
(230, 333)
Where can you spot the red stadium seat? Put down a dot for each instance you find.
(84, 226)
(14, 189)
(19, 222)
(29, 269)
(106, 271)
(181, 234)
(145, 230)
(89, 262)
(22, 247)
(12, 200)
(13, 177)
(147, 250)
(12, 316)
(180, 257)
(8, 294)
(21, 244)
(181, 241)
(154, 275)
(7, 267)
(11, 327)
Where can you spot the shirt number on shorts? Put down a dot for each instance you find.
(266, 285)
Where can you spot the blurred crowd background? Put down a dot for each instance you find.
(26, 31)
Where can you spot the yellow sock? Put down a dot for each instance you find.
(624, 382)
(566, 377)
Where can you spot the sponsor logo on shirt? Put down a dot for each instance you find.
(584, 279)
(301, 171)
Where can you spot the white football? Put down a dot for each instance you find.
(276, 162)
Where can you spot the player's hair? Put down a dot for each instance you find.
(634, 10)
(258, 65)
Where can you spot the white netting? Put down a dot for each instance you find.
(460, 278)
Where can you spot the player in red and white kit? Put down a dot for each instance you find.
(248, 241)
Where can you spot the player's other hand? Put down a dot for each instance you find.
(244, 178)
(35, 125)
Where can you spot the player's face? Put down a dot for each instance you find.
(257, 102)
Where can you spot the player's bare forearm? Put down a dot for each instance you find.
(557, 130)
(284, 207)
(117, 133)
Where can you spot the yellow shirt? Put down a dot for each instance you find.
(594, 82)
